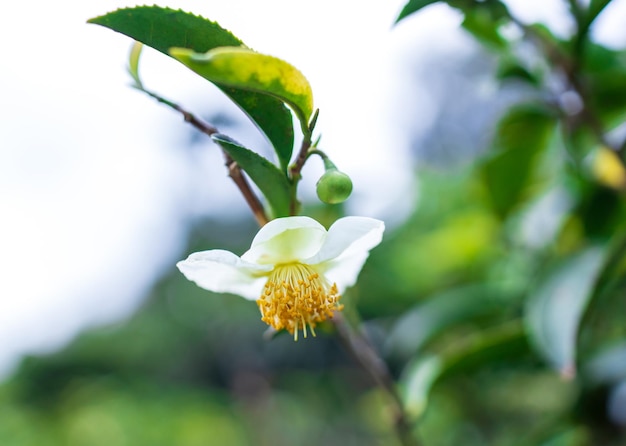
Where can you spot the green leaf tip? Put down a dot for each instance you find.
(133, 62)
(240, 67)
(555, 310)
(413, 6)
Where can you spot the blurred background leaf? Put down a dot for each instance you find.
(523, 135)
(557, 306)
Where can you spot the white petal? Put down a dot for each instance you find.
(343, 271)
(285, 240)
(223, 272)
(349, 236)
(346, 249)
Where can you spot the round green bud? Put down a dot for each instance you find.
(334, 187)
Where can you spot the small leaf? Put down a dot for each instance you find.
(438, 314)
(414, 6)
(419, 380)
(512, 69)
(554, 312)
(522, 135)
(605, 80)
(544, 217)
(602, 327)
(133, 62)
(482, 24)
(608, 366)
(608, 92)
(164, 28)
(269, 179)
(248, 70)
(505, 342)
(595, 8)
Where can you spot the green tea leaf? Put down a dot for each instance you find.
(512, 69)
(438, 314)
(164, 28)
(608, 366)
(595, 8)
(269, 179)
(609, 95)
(604, 71)
(414, 6)
(248, 70)
(418, 381)
(522, 135)
(602, 327)
(554, 312)
(481, 22)
(503, 342)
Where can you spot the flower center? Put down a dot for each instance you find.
(295, 296)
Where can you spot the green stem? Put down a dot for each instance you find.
(328, 164)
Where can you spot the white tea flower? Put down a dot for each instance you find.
(295, 269)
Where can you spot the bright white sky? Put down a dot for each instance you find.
(94, 193)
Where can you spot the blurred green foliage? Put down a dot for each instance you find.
(499, 304)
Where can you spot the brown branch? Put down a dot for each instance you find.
(365, 354)
(301, 159)
(234, 171)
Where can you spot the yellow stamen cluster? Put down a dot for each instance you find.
(295, 296)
